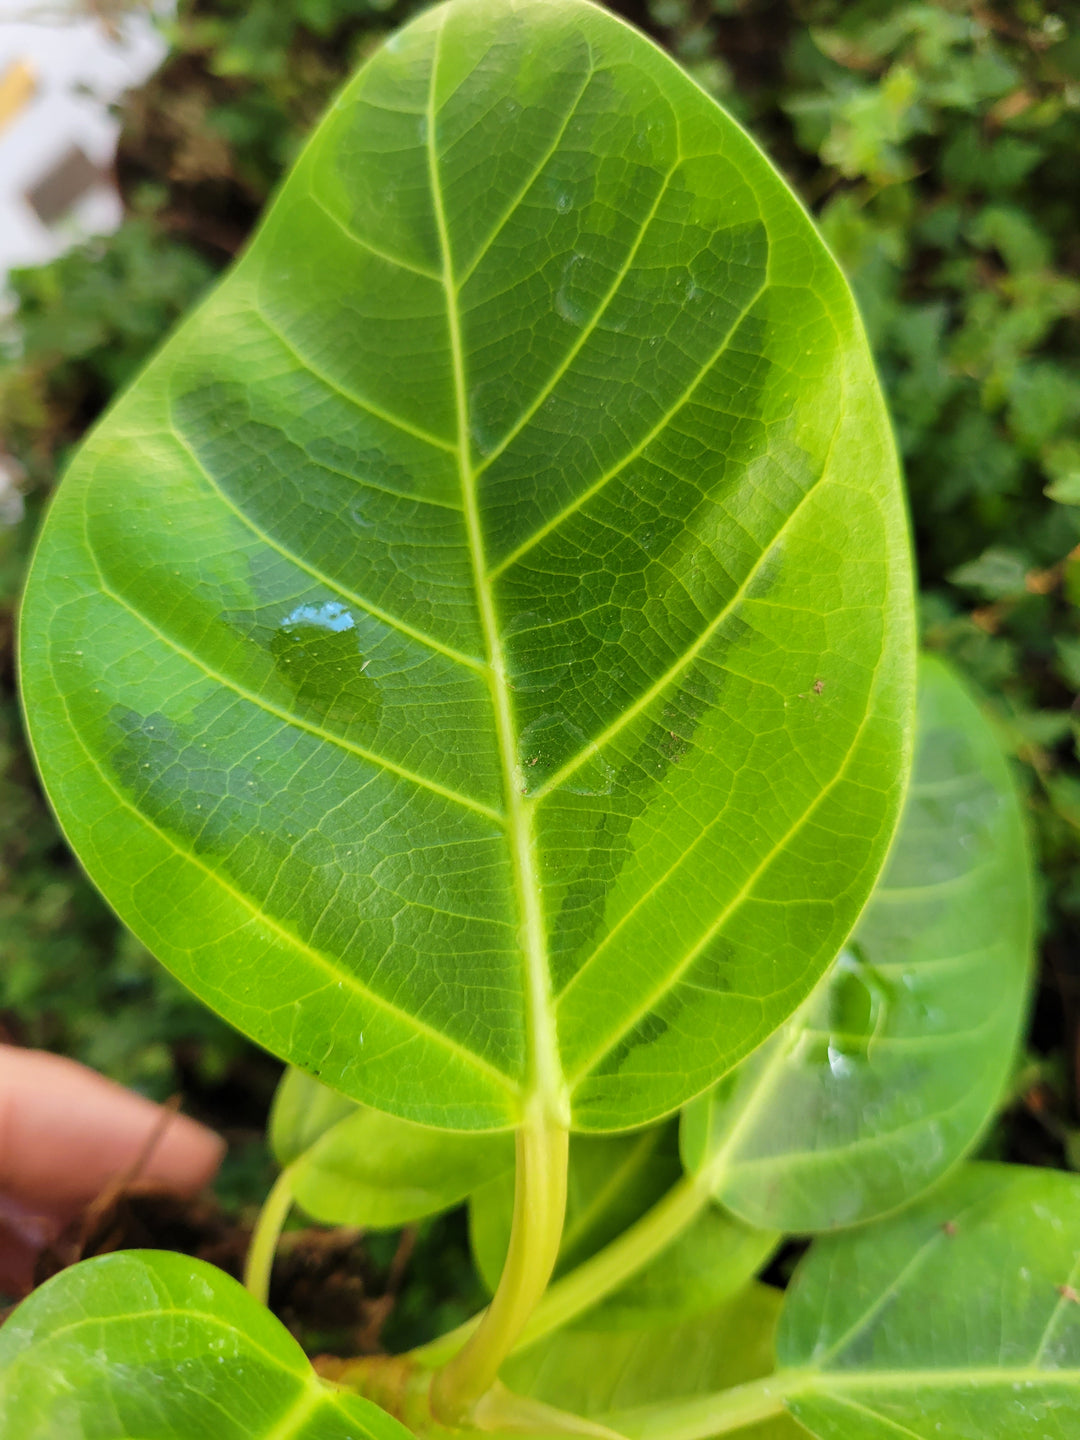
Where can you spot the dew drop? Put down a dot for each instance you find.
(317, 654)
(570, 304)
(552, 743)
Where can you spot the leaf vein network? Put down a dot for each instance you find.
(375, 611)
(671, 979)
(362, 402)
(692, 651)
(253, 698)
(396, 260)
(586, 331)
(639, 449)
(299, 946)
(534, 175)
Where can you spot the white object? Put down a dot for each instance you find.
(75, 68)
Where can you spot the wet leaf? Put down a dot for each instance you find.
(957, 1320)
(475, 654)
(892, 1069)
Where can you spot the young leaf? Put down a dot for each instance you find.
(593, 1371)
(956, 1320)
(350, 1165)
(378, 1171)
(887, 1075)
(613, 1181)
(475, 654)
(147, 1345)
(302, 1112)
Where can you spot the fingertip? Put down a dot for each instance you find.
(67, 1132)
(185, 1159)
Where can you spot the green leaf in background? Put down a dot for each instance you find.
(475, 655)
(302, 1112)
(957, 1320)
(889, 1073)
(612, 1182)
(593, 1371)
(714, 1258)
(351, 1165)
(148, 1345)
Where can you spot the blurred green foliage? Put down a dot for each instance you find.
(936, 143)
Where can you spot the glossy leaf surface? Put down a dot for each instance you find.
(475, 655)
(363, 1167)
(148, 1345)
(887, 1075)
(957, 1320)
(612, 1182)
(594, 1371)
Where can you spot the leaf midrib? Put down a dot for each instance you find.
(983, 1376)
(545, 1083)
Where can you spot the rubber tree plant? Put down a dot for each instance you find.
(476, 655)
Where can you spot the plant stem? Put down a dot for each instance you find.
(539, 1209)
(267, 1232)
(702, 1416)
(612, 1266)
(595, 1278)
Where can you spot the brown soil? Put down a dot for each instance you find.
(325, 1287)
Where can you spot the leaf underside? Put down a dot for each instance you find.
(957, 1320)
(892, 1068)
(475, 655)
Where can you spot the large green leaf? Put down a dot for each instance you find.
(958, 1320)
(891, 1069)
(476, 653)
(612, 1181)
(593, 1371)
(364, 1167)
(147, 1345)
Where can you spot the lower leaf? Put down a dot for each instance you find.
(599, 1372)
(148, 1345)
(958, 1320)
(351, 1165)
